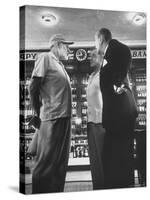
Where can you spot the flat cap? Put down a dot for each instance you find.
(58, 38)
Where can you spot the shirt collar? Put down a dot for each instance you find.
(53, 56)
(95, 74)
(105, 49)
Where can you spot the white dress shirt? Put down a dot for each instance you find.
(94, 99)
(105, 49)
(105, 61)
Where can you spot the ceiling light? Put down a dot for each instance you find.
(139, 19)
(136, 18)
(49, 19)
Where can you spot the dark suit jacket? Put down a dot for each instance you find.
(116, 107)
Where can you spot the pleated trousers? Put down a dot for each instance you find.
(52, 156)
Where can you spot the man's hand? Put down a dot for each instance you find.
(119, 90)
(35, 122)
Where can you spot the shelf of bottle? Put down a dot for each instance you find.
(141, 109)
(26, 112)
(143, 82)
(140, 127)
(80, 144)
(26, 136)
(141, 122)
(141, 97)
(27, 133)
(140, 130)
(141, 102)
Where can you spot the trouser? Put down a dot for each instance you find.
(52, 156)
(118, 154)
(96, 133)
(141, 155)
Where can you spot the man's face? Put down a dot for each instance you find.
(99, 44)
(63, 51)
(94, 60)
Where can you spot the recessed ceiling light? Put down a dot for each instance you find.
(49, 19)
(136, 18)
(139, 19)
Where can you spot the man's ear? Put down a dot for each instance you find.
(59, 45)
(102, 39)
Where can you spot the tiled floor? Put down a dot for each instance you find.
(72, 176)
(78, 186)
(69, 187)
(75, 180)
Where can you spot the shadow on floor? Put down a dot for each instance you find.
(14, 188)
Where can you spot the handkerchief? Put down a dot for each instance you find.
(104, 62)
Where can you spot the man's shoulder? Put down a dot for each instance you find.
(52, 57)
(42, 55)
(115, 42)
(118, 46)
(47, 56)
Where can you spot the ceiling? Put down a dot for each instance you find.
(78, 25)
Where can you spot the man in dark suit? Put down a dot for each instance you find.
(119, 111)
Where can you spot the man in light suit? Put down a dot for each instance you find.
(119, 111)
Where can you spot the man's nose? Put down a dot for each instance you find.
(68, 50)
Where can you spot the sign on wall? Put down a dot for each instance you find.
(28, 56)
(81, 55)
(138, 54)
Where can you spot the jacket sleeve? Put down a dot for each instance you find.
(119, 63)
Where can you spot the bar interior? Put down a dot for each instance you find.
(80, 25)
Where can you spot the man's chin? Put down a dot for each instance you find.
(93, 65)
(64, 58)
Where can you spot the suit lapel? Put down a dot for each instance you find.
(107, 51)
